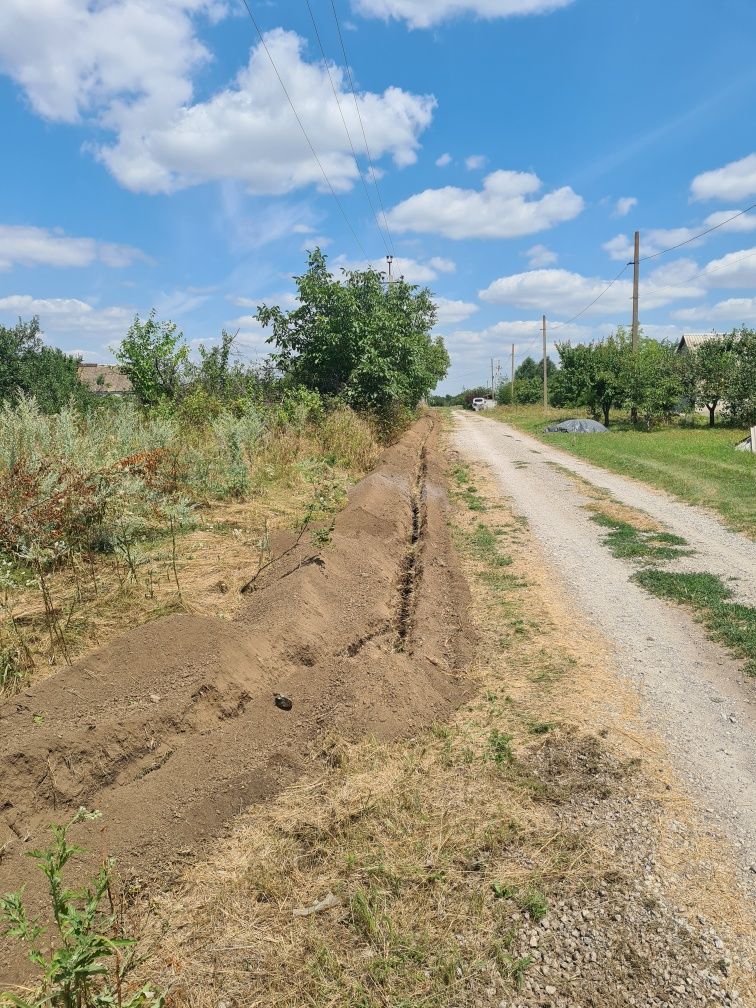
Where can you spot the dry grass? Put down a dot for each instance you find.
(97, 600)
(443, 851)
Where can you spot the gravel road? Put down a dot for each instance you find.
(696, 696)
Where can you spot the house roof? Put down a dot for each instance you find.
(692, 341)
(104, 378)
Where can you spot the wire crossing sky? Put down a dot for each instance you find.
(501, 150)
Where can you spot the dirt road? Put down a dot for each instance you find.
(696, 695)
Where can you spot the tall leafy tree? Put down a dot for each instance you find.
(153, 355)
(358, 337)
(741, 391)
(29, 367)
(710, 373)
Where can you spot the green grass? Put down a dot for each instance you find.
(727, 622)
(695, 463)
(627, 542)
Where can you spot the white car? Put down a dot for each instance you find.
(478, 403)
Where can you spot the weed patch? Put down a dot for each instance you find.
(726, 622)
(630, 543)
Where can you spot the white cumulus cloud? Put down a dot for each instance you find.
(450, 312)
(506, 207)
(61, 317)
(732, 310)
(561, 292)
(624, 205)
(734, 181)
(127, 67)
(443, 161)
(475, 162)
(35, 246)
(426, 13)
(540, 255)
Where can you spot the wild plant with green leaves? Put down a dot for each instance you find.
(84, 958)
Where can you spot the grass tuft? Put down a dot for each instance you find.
(728, 623)
(630, 543)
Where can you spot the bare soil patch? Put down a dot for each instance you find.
(171, 730)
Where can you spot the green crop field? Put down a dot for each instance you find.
(696, 463)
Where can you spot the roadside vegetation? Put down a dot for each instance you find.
(728, 622)
(114, 511)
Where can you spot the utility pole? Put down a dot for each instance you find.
(545, 371)
(636, 278)
(389, 260)
(493, 394)
(512, 402)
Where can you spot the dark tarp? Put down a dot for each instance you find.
(577, 427)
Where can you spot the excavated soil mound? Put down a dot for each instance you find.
(172, 729)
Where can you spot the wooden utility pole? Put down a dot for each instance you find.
(512, 402)
(636, 278)
(493, 393)
(545, 371)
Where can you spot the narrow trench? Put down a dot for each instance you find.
(410, 568)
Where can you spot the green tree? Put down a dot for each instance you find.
(530, 371)
(358, 338)
(741, 391)
(713, 367)
(591, 375)
(153, 355)
(28, 367)
(651, 378)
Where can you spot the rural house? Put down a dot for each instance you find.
(104, 379)
(690, 342)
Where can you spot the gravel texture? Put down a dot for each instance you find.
(696, 695)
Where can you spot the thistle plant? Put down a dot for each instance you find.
(89, 959)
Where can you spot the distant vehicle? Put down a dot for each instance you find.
(478, 403)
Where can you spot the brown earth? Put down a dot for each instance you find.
(171, 730)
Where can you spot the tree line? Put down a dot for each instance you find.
(353, 339)
(652, 383)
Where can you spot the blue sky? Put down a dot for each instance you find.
(152, 160)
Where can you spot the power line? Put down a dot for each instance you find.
(687, 241)
(302, 127)
(362, 125)
(559, 325)
(346, 128)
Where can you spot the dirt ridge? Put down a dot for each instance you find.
(171, 730)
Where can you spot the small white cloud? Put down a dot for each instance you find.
(502, 209)
(657, 239)
(732, 310)
(475, 162)
(413, 270)
(540, 255)
(442, 265)
(302, 229)
(450, 312)
(443, 161)
(427, 13)
(742, 222)
(35, 246)
(734, 181)
(736, 269)
(624, 205)
(320, 241)
(62, 317)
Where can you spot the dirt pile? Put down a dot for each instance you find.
(172, 729)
